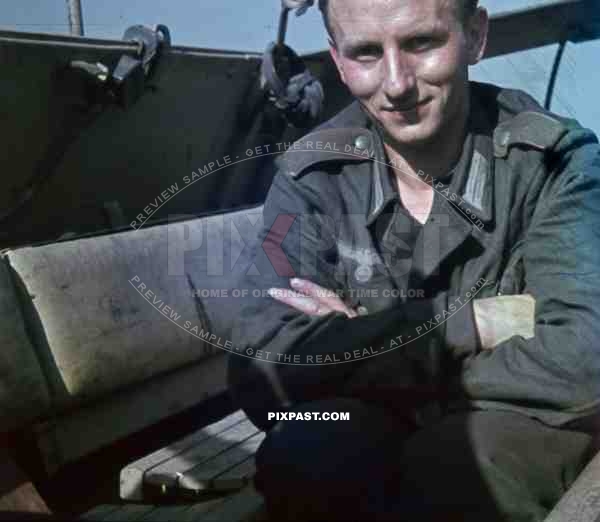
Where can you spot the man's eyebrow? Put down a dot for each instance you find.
(354, 43)
(358, 43)
(425, 30)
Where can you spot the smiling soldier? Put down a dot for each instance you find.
(483, 207)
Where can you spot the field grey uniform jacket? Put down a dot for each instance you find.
(521, 215)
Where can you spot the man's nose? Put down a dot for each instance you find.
(399, 80)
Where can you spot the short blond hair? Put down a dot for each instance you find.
(466, 9)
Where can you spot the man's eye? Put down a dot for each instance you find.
(421, 43)
(366, 54)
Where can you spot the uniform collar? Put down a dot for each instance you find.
(472, 177)
(346, 138)
(351, 137)
(382, 190)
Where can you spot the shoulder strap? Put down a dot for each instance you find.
(529, 129)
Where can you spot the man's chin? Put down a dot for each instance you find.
(410, 136)
(404, 133)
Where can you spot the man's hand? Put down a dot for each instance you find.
(500, 318)
(311, 298)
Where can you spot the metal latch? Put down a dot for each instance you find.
(127, 82)
(130, 73)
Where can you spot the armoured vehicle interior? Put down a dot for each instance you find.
(133, 173)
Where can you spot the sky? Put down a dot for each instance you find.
(250, 25)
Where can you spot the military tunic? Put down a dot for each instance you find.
(519, 213)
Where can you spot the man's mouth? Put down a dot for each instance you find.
(407, 108)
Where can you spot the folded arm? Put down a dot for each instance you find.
(286, 354)
(497, 319)
(554, 368)
(557, 371)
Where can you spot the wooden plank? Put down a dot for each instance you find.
(149, 512)
(237, 477)
(241, 507)
(132, 475)
(164, 454)
(165, 474)
(204, 475)
(181, 512)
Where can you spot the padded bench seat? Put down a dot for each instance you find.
(94, 336)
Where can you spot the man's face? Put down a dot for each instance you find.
(406, 61)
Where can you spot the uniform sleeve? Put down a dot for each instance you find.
(557, 372)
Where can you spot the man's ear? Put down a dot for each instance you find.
(476, 32)
(334, 53)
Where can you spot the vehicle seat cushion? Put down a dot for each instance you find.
(24, 392)
(98, 330)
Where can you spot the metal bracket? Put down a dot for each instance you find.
(127, 82)
(128, 77)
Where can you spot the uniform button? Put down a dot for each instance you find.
(362, 142)
(363, 273)
(504, 139)
(362, 310)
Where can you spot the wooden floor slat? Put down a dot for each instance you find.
(131, 477)
(204, 475)
(167, 473)
(236, 477)
(218, 458)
